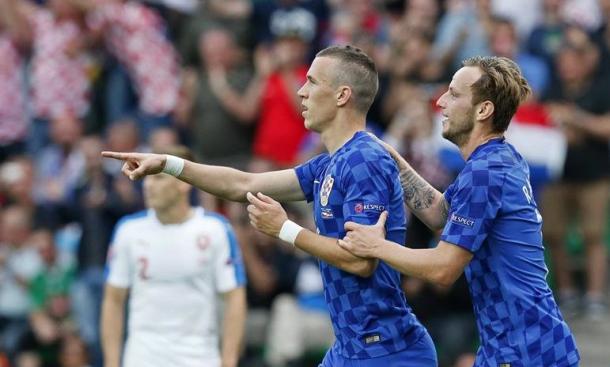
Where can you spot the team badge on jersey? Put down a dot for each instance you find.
(327, 186)
(327, 213)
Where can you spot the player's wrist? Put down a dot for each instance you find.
(289, 231)
(173, 165)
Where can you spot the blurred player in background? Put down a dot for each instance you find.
(175, 260)
(373, 324)
(490, 224)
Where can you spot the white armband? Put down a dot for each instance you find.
(289, 231)
(173, 165)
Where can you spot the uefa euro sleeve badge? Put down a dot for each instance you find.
(327, 186)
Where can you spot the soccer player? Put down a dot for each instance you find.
(490, 224)
(356, 181)
(175, 260)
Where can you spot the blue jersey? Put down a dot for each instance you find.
(493, 215)
(370, 316)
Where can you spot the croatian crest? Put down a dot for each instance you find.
(327, 186)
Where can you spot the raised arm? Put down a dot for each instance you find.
(426, 202)
(225, 182)
(268, 216)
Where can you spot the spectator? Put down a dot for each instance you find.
(19, 263)
(221, 131)
(97, 201)
(462, 32)
(504, 41)
(57, 170)
(579, 102)
(280, 129)
(49, 291)
(546, 38)
(299, 322)
(133, 33)
(13, 118)
(59, 80)
(271, 271)
(73, 352)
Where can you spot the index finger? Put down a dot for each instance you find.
(117, 155)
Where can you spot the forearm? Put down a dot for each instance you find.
(224, 182)
(244, 107)
(112, 332)
(326, 249)
(426, 202)
(233, 327)
(597, 126)
(232, 184)
(424, 264)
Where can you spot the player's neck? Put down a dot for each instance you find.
(477, 140)
(340, 132)
(178, 213)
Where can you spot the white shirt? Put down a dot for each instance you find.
(175, 272)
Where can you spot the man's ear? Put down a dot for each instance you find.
(344, 93)
(484, 110)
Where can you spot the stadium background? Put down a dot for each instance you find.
(220, 76)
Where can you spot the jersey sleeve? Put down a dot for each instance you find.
(118, 270)
(474, 202)
(307, 172)
(364, 180)
(229, 270)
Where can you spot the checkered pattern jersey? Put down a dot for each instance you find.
(370, 316)
(494, 216)
(134, 34)
(60, 84)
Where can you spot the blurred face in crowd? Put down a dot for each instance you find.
(43, 240)
(456, 105)
(217, 48)
(162, 137)
(123, 136)
(578, 58)
(15, 226)
(504, 40)
(66, 131)
(289, 51)
(17, 179)
(90, 147)
(318, 94)
(162, 192)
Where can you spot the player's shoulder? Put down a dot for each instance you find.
(134, 220)
(210, 218)
(497, 159)
(366, 149)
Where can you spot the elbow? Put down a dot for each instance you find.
(444, 277)
(364, 268)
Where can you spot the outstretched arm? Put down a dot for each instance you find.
(426, 202)
(268, 216)
(441, 265)
(225, 182)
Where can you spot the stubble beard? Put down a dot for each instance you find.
(459, 132)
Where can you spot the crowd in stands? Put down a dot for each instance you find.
(220, 76)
